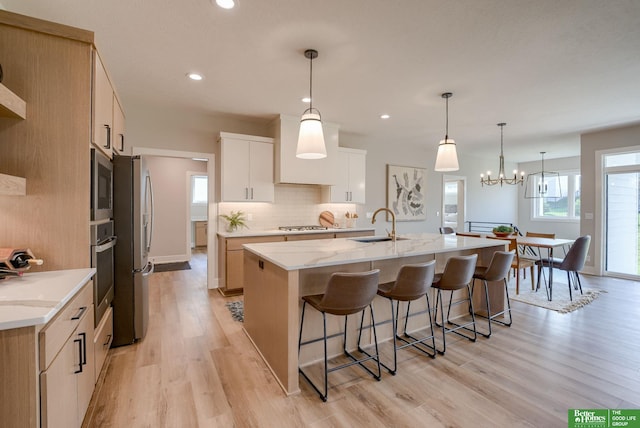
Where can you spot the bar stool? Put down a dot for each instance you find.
(457, 275)
(346, 294)
(498, 270)
(412, 283)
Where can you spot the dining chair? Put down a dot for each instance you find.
(446, 230)
(472, 235)
(519, 263)
(572, 263)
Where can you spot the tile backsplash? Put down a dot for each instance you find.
(294, 205)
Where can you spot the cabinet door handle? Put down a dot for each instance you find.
(79, 342)
(79, 314)
(105, 344)
(84, 348)
(122, 142)
(108, 128)
(252, 193)
(246, 193)
(346, 196)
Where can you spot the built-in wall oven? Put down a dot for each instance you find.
(103, 242)
(101, 186)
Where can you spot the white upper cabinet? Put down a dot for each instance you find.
(118, 143)
(246, 168)
(350, 186)
(289, 168)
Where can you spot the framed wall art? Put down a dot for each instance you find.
(405, 192)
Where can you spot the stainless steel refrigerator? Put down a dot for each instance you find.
(133, 224)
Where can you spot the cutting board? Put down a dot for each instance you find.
(327, 219)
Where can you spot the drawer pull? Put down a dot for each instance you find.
(79, 341)
(84, 349)
(80, 313)
(107, 342)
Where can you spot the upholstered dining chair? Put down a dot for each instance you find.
(572, 263)
(446, 230)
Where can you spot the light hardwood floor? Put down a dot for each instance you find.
(197, 368)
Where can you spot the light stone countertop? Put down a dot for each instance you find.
(35, 298)
(245, 233)
(293, 255)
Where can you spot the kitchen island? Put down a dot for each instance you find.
(278, 274)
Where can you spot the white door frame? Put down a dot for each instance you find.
(212, 264)
(462, 200)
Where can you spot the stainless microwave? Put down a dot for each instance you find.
(101, 186)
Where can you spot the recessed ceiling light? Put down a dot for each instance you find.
(226, 4)
(195, 76)
(306, 100)
(384, 116)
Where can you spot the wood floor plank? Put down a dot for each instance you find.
(197, 368)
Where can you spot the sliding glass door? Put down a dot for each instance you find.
(622, 184)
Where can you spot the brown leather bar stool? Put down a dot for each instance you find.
(498, 270)
(346, 294)
(412, 283)
(457, 275)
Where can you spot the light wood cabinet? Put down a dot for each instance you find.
(231, 259)
(351, 177)
(102, 341)
(118, 143)
(246, 168)
(67, 363)
(201, 233)
(102, 99)
(231, 254)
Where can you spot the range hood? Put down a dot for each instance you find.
(291, 170)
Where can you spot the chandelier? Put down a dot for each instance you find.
(543, 184)
(501, 179)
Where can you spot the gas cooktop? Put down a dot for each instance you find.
(295, 228)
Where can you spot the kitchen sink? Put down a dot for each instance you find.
(376, 239)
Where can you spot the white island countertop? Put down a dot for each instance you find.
(35, 298)
(294, 255)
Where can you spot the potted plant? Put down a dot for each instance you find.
(234, 220)
(502, 231)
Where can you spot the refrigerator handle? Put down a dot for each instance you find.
(150, 190)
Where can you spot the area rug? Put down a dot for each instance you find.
(560, 302)
(169, 267)
(237, 310)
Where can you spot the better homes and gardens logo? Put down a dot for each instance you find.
(603, 418)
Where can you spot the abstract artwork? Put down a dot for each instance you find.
(405, 192)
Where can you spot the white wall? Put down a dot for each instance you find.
(569, 229)
(171, 200)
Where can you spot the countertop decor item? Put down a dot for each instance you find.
(502, 231)
(234, 220)
(488, 181)
(327, 219)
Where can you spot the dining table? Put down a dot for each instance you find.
(548, 244)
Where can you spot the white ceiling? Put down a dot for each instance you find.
(551, 69)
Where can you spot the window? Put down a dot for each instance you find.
(566, 185)
(199, 185)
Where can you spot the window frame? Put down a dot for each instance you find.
(571, 189)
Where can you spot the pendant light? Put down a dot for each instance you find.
(543, 184)
(311, 138)
(488, 181)
(447, 157)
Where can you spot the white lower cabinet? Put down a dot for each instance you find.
(67, 362)
(102, 341)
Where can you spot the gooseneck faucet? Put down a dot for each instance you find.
(392, 234)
